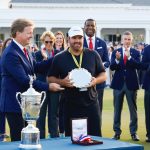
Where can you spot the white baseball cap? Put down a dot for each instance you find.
(75, 31)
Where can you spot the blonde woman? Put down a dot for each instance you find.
(47, 51)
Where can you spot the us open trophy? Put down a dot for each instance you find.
(30, 105)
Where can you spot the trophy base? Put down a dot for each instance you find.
(30, 147)
(30, 138)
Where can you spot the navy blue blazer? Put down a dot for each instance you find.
(146, 66)
(0, 75)
(125, 73)
(101, 48)
(15, 70)
(38, 58)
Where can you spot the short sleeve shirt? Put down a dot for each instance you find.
(63, 63)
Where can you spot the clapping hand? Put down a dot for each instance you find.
(44, 54)
(118, 55)
(127, 52)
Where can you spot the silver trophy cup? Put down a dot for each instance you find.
(30, 105)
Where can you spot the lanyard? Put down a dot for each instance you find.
(75, 60)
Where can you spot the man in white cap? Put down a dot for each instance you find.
(79, 103)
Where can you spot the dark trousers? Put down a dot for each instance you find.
(147, 111)
(91, 112)
(118, 104)
(54, 109)
(2, 122)
(41, 122)
(61, 114)
(100, 100)
(16, 124)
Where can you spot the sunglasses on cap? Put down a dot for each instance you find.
(48, 42)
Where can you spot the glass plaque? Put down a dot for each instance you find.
(79, 128)
(80, 77)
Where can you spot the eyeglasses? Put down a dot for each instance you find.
(46, 42)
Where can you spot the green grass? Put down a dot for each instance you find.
(107, 123)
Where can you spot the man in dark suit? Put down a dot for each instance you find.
(17, 65)
(94, 43)
(146, 87)
(125, 82)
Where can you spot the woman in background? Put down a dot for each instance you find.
(3, 134)
(6, 43)
(47, 51)
(60, 45)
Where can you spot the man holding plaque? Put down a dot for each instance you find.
(78, 70)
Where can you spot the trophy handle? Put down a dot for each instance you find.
(44, 93)
(17, 94)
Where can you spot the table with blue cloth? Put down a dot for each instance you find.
(66, 144)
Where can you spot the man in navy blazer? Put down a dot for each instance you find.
(100, 46)
(16, 66)
(124, 63)
(146, 87)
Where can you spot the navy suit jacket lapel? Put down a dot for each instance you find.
(121, 52)
(131, 52)
(30, 59)
(85, 43)
(23, 57)
(96, 42)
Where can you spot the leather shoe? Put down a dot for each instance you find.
(116, 137)
(135, 137)
(148, 139)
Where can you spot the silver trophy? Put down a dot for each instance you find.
(30, 105)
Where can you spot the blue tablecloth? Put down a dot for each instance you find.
(66, 144)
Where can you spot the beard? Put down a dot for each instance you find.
(76, 50)
(77, 46)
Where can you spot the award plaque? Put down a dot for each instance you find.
(79, 127)
(81, 78)
(80, 133)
